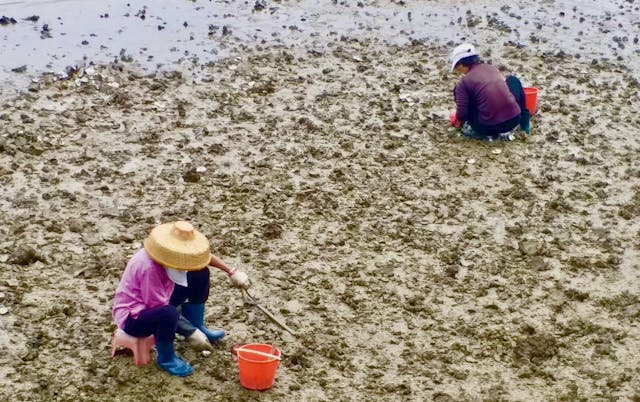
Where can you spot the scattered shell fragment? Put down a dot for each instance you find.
(496, 151)
(471, 161)
(3, 310)
(201, 169)
(205, 353)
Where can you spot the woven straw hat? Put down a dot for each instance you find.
(179, 246)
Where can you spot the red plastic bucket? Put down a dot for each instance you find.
(257, 364)
(531, 99)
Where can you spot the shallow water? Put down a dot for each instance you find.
(159, 33)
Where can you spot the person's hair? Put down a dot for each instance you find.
(469, 61)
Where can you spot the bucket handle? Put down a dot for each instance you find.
(256, 352)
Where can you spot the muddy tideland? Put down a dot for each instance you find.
(412, 264)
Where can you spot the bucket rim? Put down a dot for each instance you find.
(275, 355)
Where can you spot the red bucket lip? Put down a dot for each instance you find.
(266, 348)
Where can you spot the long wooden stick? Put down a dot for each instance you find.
(267, 312)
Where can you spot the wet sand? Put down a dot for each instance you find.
(413, 264)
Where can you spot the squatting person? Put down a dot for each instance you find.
(164, 288)
(487, 104)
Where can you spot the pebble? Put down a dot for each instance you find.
(206, 353)
(471, 161)
(3, 310)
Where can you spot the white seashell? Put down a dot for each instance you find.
(471, 161)
(205, 353)
(201, 169)
(496, 151)
(3, 310)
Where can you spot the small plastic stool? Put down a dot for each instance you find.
(139, 346)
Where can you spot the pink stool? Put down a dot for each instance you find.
(139, 346)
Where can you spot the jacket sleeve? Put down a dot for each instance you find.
(461, 96)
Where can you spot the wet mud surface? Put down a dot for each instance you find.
(413, 264)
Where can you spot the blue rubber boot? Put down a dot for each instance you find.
(195, 314)
(169, 362)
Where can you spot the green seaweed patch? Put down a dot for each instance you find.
(590, 263)
(625, 303)
(578, 328)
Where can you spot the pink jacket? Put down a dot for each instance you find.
(144, 284)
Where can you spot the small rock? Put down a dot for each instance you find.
(451, 271)
(76, 226)
(260, 5)
(7, 20)
(632, 311)
(442, 397)
(26, 118)
(24, 255)
(21, 69)
(529, 246)
(3, 310)
(191, 176)
(603, 349)
(539, 264)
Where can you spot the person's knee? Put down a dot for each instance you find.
(169, 315)
(199, 277)
(198, 291)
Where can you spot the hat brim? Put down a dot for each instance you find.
(460, 57)
(172, 251)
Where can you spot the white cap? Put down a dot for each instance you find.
(460, 52)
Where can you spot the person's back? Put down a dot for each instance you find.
(485, 87)
(487, 104)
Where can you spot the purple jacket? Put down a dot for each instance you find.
(484, 87)
(144, 284)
